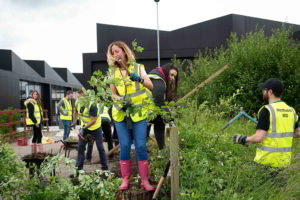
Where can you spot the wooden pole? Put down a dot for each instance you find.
(113, 150)
(174, 151)
(209, 79)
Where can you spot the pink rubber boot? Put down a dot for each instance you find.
(126, 170)
(33, 148)
(143, 165)
(40, 148)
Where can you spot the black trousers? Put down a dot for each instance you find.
(37, 134)
(106, 128)
(159, 131)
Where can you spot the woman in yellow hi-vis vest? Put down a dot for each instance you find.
(34, 119)
(65, 110)
(133, 83)
(276, 127)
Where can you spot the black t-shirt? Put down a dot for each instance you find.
(93, 111)
(264, 120)
(159, 89)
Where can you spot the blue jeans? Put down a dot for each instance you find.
(99, 143)
(139, 132)
(66, 123)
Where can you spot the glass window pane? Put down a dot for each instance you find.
(30, 89)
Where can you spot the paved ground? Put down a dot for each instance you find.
(55, 147)
(113, 164)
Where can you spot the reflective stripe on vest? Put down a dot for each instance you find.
(37, 114)
(86, 118)
(66, 112)
(136, 93)
(154, 76)
(276, 149)
(78, 106)
(104, 113)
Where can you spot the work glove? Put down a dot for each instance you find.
(239, 139)
(82, 109)
(37, 125)
(135, 77)
(125, 106)
(172, 124)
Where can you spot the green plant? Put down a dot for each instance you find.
(253, 58)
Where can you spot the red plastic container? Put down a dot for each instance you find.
(22, 141)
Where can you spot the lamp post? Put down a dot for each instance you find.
(158, 52)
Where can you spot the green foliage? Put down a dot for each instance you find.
(11, 173)
(136, 47)
(221, 170)
(98, 185)
(4, 119)
(253, 59)
(16, 184)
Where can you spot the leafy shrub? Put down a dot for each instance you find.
(16, 184)
(253, 59)
(213, 168)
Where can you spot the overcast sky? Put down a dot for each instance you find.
(59, 31)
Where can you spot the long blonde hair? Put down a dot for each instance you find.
(128, 53)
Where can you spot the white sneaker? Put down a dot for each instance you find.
(132, 146)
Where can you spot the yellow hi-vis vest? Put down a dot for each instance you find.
(37, 114)
(77, 106)
(66, 112)
(104, 113)
(136, 92)
(276, 149)
(86, 118)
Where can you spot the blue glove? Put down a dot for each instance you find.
(135, 77)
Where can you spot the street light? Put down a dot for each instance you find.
(158, 53)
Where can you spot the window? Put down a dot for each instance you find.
(26, 88)
(57, 92)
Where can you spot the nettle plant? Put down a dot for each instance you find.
(102, 93)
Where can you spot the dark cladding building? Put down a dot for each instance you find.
(184, 43)
(18, 78)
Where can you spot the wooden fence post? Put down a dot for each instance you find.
(10, 129)
(174, 157)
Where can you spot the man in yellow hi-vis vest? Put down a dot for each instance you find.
(65, 109)
(276, 127)
(106, 129)
(91, 127)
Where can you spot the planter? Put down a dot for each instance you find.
(22, 141)
(37, 159)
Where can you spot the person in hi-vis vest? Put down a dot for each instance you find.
(79, 113)
(133, 83)
(106, 129)
(165, 83)
(90, 128)
(65, 110)
(277, 126)
(34, 119)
